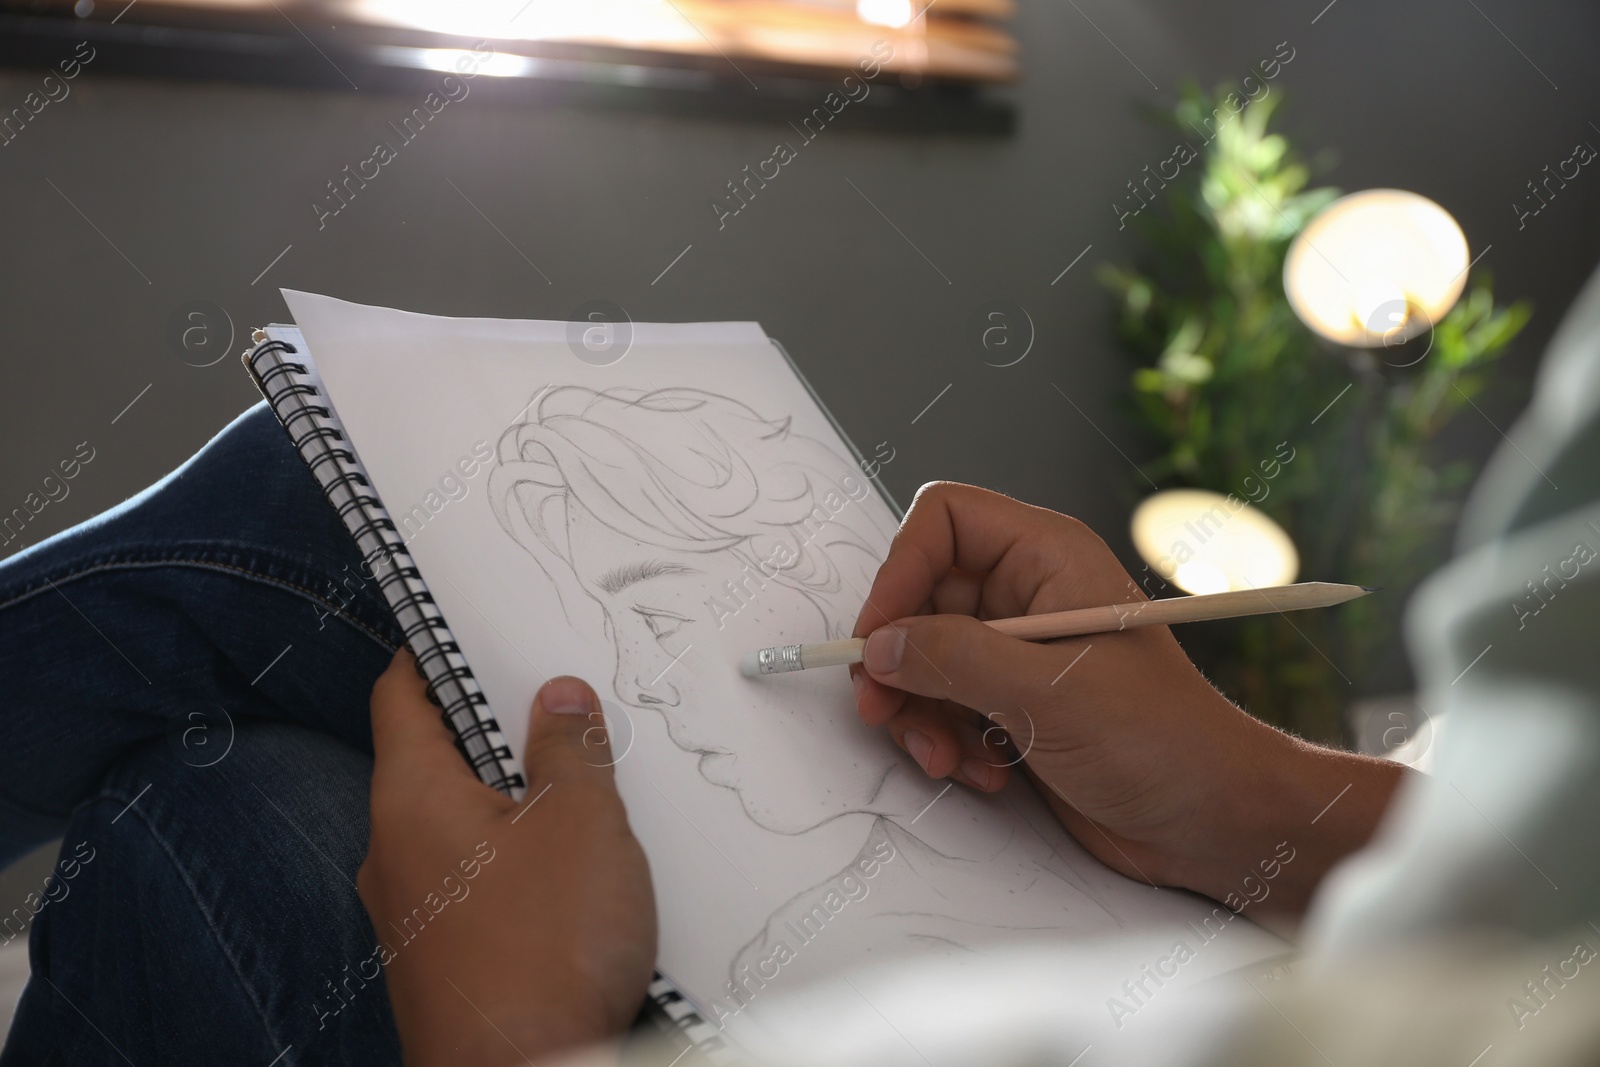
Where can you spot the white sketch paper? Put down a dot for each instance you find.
(643, 525)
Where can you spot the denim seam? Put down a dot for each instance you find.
(212, 565)
(194, 895)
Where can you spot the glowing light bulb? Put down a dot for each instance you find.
(1204, 542)
(1375, 268)
(1379, 307)
(1200, 576)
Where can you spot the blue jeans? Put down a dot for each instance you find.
(185, 702)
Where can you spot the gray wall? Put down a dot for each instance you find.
(199, 186)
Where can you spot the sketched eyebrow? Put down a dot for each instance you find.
(617, 579)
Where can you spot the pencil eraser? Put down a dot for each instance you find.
(750, 665)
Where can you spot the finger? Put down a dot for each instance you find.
(956, 657)
(957, 593)
(948, 741)
(956, 526)
(927, 734)
(876, 703)
(986, 760)
(410, 742)
(981, 758)
(567, 736)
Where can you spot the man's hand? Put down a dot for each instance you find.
(514, 928)
(1147, 765)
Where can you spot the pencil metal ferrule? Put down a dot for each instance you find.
(779, 660)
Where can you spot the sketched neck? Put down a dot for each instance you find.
(942, 816)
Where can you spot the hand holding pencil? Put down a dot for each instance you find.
(1153, 770)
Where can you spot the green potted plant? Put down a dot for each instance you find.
(1227, 377)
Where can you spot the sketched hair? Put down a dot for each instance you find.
(689, 470)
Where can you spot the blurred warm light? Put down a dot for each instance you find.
(956, 39)
(625, 22)
(457, 60)
(1200, 576)
(964, 41)
(1204, 542)
(1376, 267)
(891, 13)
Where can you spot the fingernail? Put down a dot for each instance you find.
(977, 772)
(859, 680)
(565, 696)
(884, 649)
(920, 745)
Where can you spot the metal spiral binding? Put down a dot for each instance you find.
(295, 396)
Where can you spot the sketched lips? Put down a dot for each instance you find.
(716, 764)
(685, 739)
(717, 767)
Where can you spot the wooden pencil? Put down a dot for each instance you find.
(1110, 618)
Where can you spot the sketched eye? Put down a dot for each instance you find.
(662, 624)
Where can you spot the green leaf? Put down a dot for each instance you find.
(1223, 374)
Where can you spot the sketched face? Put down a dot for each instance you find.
(791, 748)
(705, 529)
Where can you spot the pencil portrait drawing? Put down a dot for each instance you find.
(684, 527)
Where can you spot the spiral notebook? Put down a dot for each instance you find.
(281, 365)
(639, 504)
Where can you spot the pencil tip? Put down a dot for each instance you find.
(1371, 588)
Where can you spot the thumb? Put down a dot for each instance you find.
(567, 736)
(957, 657)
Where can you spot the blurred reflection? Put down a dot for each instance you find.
(954, 40)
